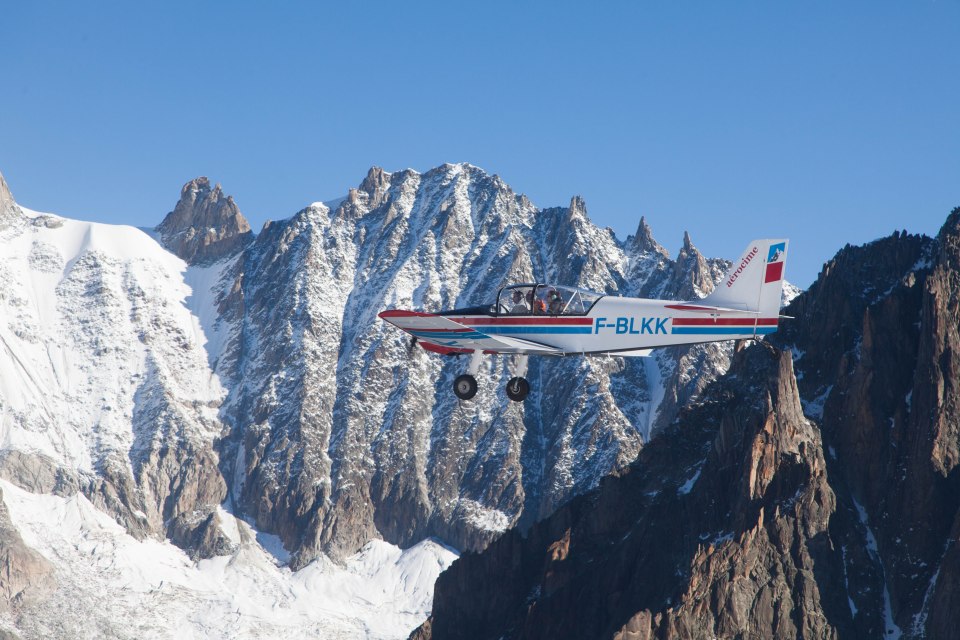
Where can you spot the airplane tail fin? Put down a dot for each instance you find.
(755, 281)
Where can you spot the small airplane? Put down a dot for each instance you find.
(554, 320)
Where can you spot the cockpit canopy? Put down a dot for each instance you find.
(544, 299)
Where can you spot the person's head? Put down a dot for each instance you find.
(517, 295)
(530, 295)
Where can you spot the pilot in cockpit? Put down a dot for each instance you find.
(554, 301)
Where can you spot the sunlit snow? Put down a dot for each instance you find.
(112, 585)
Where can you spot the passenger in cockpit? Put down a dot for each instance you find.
(520, 306)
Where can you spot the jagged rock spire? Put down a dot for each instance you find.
(9, 210)
(205, 225)
(578, 208)
(377, 180)
(643, 242)
(692, 266)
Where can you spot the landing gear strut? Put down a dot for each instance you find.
(465, 386)
(518, 388)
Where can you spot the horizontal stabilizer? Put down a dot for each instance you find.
(699, 308)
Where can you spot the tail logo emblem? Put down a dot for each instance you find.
(775, 262)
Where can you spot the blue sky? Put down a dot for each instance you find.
(823, 122)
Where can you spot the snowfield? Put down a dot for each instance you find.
(111, 585)
(93, 312)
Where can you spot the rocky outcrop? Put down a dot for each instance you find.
(206, 225)
(643, 243)
(201, 534)
(706, 535)
(25, 575)
(883, 371)
(37, 473)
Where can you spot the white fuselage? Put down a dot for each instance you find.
(616, 324)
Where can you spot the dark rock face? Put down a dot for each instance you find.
(205, 225)
(880, 363)
(821, 505)
(694, 540)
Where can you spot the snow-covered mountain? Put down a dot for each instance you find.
(341, 432)
(224, 392)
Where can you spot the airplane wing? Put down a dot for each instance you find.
(447, 336)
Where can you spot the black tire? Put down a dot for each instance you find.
(518, 389)
(465, 386)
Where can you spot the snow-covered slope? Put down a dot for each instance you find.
(103, 369)
(110, 585)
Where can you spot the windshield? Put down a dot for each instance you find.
(545, 299)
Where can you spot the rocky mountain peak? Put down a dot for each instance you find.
(9, 210)
(371, 193)
(643, 242)
(206, 225)
(377, 180)
(949, 236)
(578, 208)
(692, 265)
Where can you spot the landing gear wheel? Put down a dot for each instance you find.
(465, 386)
(518, 389)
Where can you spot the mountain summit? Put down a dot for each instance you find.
(206, 225)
